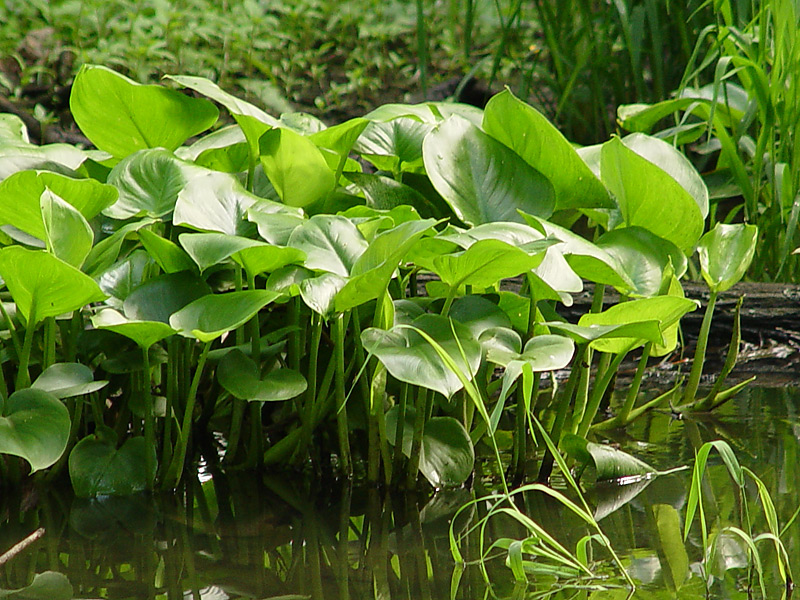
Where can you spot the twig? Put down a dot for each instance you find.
(21, 546)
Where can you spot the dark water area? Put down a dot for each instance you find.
(248, 536)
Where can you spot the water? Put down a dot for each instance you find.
(244, 536)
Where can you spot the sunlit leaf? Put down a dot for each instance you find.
(34, 425)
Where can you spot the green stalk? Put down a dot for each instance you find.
(235, 433)
(176, 468)
(171, 389)
(598, 392)
(342, 425)
(416, 442)
(149, 422)
(293, 348)
(700, 352)
(375, 448)
(307, 414)
(49, 354)
(23, 375)
(633, 391)
(397, 462)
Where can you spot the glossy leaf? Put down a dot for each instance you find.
(157, 298)
(239, 375)
(340, 138)
(296, 167)
(143, 333)
(166, 254)
(210, 316)
(481, 179)
(67, 233)
(645, 258)
(393, 145)
(209, 249)
(528, 133)
(98, 468)
(43, 285)
(20, 198)
(411, 358)
(64, 380)
(649, 197)
(610, 463)
(666, 310)
(478, 314)
(332, 244)
(485, 263)
(447, 457)
(726, 253)
(34, 425)
(149, 182)
(121, 116)
(385, 193)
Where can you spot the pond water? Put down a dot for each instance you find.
(246, 536)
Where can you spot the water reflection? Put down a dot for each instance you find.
(244, 536)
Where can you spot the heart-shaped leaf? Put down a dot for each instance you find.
(209, 317)
(64, 380)
(239, 375)
(149, 182)
(482, 179)
(67, 233)
(43, 285)
(20, 197)
(528, 133)
(121, 116)
(34, 425)
(50, 585)
(144, 333)
(296, 167)
(332, 243)
(166, 254)
(409, 357)
(447, 456)
(98, 468)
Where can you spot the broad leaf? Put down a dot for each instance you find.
(97, 468)
(209, 317)
(121, 116)
(157, 298)
(409, 357)
(478, 314)
(43, 285)
(149, 182)
(528, 133)
(481, 179)
(20, 198)
(296, 167)
(34, 425)
(609, 463)
(50, 585)
(332, 244)
(239, 375)
(166, 254)
(67, 233)
(395, 145)
(143, 333)
(64, 380)
(649, 197)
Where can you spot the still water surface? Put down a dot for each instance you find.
(244, 536)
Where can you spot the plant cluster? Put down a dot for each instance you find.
(261, 283)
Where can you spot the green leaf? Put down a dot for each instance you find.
(644, 258)
(214, 201)
(166, 254)
(106, 251)
(332, 243)
(610, 464)
(394, 145)
(528, 133)
(50, 585)
(209, 317)
(97, 468)
(296, 167)
(64, 380)
(67, 234)
(726, 253)
(157, 298)
(20, 197)
(209, 249)
(481, 179)
(34, 425)
(584, 257)
(385, 193)
(447, 456)
(666, 310)
(649, 197)
(340, 138)
(320, 293)
(239, 375)
(43, 285)
(143, 333)
(478, 314)
(541, 352)
(149, 182)
(121, 116)
(668, 526)
(485, 263)
(626, 332)
(410, 358)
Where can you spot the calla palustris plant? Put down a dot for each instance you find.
(262, 283)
